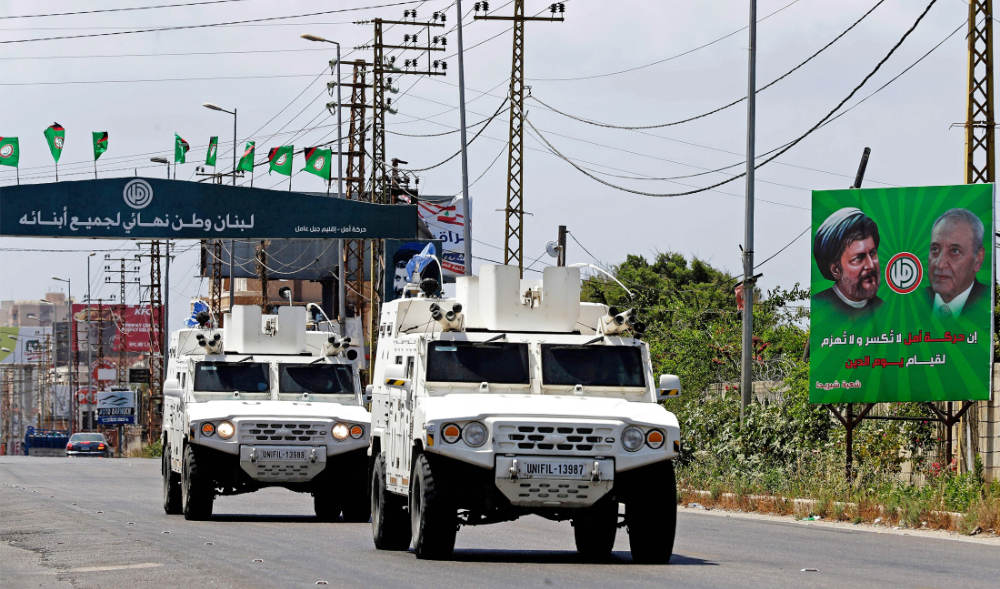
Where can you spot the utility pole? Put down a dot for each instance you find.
(514, 211)
(215, 290)
(746, 366)
(157, 350)
(353, 252)
(467, 227)
(260, 255)
(123, 280)
(379, 189)
(980, 161)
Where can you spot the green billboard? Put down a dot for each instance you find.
(902, 297)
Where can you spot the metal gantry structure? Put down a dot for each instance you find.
(124, 270)
(514, 209)
(980, 156)
(157, 351)
(353, 252)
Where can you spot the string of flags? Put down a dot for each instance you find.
(279, 159)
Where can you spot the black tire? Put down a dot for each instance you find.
(171, 485)
(357, 504)
(594, 529)
(390, 528)
(651, 517)
(197, 490)
(433, 515)
(326, 503)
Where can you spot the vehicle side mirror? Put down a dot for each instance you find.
(670, 387)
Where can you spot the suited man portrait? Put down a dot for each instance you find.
(956, 254)
(846, 252)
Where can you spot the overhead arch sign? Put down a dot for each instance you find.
(148, 208)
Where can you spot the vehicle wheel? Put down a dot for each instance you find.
(326, 504)
(433, 516)
(594, 529)
(651, 517)
(171, 485)
(197, 493)
(357, 504)
(390, 530)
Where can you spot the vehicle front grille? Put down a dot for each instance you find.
(284, 432)
(562, 438)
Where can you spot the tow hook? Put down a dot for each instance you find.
(512, 471)
(312, 455)
(253, 454)
(595, 473)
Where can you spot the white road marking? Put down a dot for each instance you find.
(116, 567)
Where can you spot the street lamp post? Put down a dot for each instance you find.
(341, 291)
(162, 160)
(69, 360)
(90, 383)
(232, 243)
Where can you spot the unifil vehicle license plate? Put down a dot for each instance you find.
(282, 454)
(553, 469)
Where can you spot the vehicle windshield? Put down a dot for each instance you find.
(494, 362)
(614, 366)
(86, 438)
(227, 377)
(320, 379)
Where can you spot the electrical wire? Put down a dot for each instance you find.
(148, 80)
(208, 25)
(784, 149)
(720, 108)
(663, 60)
(786, 246)
(122, 9)
(470, 142)
(178, 54)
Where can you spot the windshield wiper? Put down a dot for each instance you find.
(496, 337)
(594, 341)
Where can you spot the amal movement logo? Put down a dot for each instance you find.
(7, 150)
(903, 273)
(58, 141)
(319, 163)
(138, 194)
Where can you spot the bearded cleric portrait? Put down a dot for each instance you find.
(846, 252)
(956, 255)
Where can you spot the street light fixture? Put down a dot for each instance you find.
(162, 160)
(341, 291)
(232, 243)
(72, 365)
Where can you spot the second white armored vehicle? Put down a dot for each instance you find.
(515, 398)
(264, 402)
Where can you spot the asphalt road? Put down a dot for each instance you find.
(99, 523)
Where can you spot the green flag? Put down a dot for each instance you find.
(246, 162)
(318, 161)
(10, 151)
(100, 143)
(281, 159)
(55, 135)
(213, 149)
(181, 147)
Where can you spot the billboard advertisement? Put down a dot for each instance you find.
(121, 325)
(397, 255)
(902, 303)
(24, 345)
(446, 221)
(116, 407)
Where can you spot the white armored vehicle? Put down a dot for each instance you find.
(264, 402)
(515, 398)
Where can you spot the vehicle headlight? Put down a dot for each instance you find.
(357, 431)
(474, 434)
(340, 431)
(207, 429)
(632, 438)
(226, 429)
(654, 439)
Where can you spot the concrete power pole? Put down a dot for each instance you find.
(514, 211)
(746, 366)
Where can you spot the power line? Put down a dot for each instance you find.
(147, 80)
(663, 60)
(720, 108)
(786, 246)
(208, 25)
(471, 141)
(177, 54)
(122, 9)
(777, 154)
